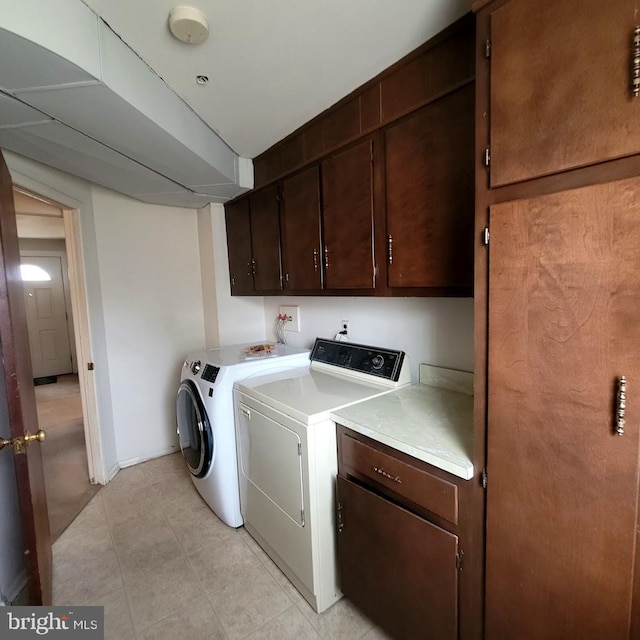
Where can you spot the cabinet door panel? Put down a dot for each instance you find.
(348, 218)
(564, 324)
(430, 194)
(302, 254)
(265, 239)
(239, 246)
(395, 566)
(560, 86)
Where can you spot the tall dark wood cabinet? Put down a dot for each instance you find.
(557, 316)
(564, 327)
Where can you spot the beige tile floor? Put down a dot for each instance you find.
(163, 565)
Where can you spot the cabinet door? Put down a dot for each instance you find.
(430, 194)
(560, 86)
(396, 567)
(265, 239)
(564, 325)
(302, 254)
(239, 246)
(348, 218)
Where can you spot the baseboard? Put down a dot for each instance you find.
(111, 474)
(152, 456)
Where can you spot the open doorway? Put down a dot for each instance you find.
(52, 339)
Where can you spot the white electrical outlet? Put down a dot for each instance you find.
(293, 318)
(344, 326)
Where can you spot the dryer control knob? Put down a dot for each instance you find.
(377, 362)
(195, 367)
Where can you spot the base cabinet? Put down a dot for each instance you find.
(406, 554)
(397, 567)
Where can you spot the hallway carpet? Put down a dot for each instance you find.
(64, 453)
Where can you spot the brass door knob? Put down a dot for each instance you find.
(19, 444)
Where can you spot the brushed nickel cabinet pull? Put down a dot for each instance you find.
(387, 475)
(621, 405)
(326, 257)
(315, 259)
(390, 248)
(635, 64)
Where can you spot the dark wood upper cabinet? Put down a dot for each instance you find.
(253, 242)
(347, 189)
(301, 227)
(265, 239)
(239, 246)
(430, 194)
(560, 86)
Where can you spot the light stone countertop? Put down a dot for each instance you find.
(431, 423)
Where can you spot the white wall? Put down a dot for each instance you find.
(153, 314)
(436, 331)
(228, 320)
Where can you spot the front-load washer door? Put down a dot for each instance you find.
(194, 429)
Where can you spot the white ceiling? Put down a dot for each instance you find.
(275, 64)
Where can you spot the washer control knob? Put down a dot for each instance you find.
(377, 362)
(195, 367)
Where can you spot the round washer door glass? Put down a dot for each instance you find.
(194, 429)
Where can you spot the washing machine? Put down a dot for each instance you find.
(205, 416)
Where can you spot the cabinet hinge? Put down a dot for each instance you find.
(459, 559)
(339, 515)
(483, 478)
(299, 449)
(485, 237)
(487, 157)
(487, 49)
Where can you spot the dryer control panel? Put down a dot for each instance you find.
(383, 363)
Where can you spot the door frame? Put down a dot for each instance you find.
(26, 253)
(80, 311)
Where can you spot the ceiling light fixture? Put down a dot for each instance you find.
(188, 25)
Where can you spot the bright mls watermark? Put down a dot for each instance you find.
(26, 623)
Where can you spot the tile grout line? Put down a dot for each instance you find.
(188, 559)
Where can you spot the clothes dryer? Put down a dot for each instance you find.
(205, 416)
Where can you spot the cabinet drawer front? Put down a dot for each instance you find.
(421, 488)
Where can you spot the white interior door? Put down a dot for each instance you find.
(47, 319)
